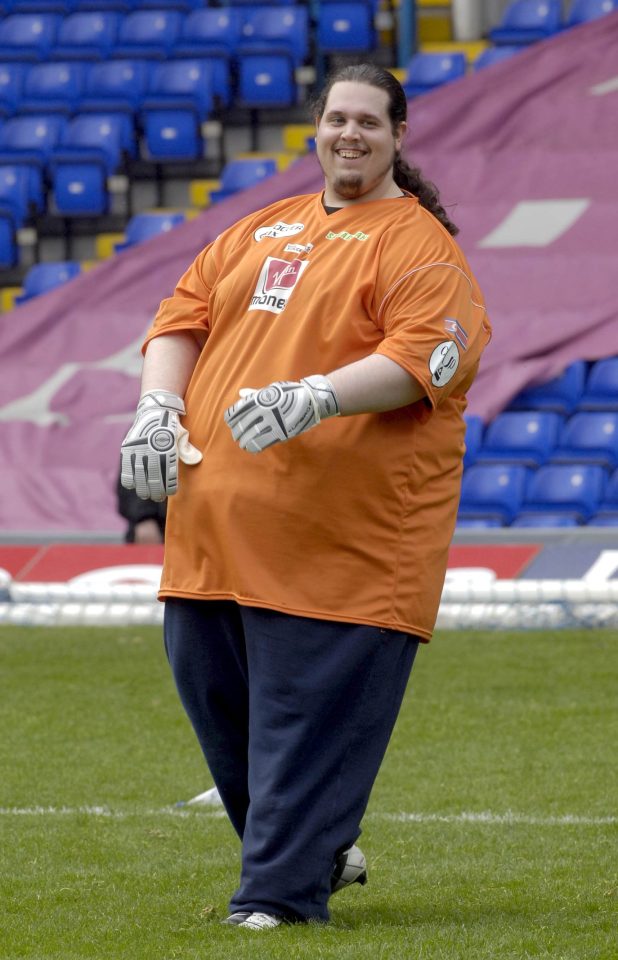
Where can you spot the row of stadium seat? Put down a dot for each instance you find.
(533, 438)
(78, 188)
(527, 21)
(499, 495)
(551, 459)
(159, 33)
(581, 386)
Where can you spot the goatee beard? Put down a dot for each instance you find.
(349, 186)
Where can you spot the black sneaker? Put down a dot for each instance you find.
(350, 867)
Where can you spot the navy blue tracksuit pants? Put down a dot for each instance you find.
(293, 716)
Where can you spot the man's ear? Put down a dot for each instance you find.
(401, 134)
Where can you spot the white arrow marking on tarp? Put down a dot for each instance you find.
(608, 86)
(34, 407)
(535, 223)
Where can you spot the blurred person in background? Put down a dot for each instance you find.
(333, 336)
(145, 518)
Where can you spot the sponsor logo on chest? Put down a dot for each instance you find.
(279, 229)
(344, 235)
(276, 283)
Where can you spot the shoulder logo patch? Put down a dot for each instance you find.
(443, 363)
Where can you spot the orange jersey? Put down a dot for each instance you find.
(352, 520)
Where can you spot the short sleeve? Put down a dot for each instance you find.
(435, 327)
(187, 308)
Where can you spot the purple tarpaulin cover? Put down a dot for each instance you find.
(525, 154)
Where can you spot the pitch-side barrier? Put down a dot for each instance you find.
(495, 605)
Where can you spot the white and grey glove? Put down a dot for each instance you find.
(280, 411)
(152, 447)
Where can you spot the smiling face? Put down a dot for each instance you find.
(356, 144)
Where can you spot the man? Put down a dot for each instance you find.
(299, 581)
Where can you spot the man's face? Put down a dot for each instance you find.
(356, 145)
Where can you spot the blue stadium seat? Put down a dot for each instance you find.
(15, 192)
(343, 27)
(11, 87)
(212, 34)
(589, 438)
(92, 148)
(53, 88)
(277, 30)
(493, 491)
(426, 71)
(79, 189)
(574, 489)
(184, 6)
(46, 276)
(183, 84)
(29, 141)
(149, 34)
(562, 394)
(526, 21)
(28, 36)
(474, 438)
(120, 6)
(62, 7)
(545, 520)
(601, 388)
(87, 35)
(492, 55)
(99, 138)
(9, 253)
(181, 97)
(116, 85)
(526, 437)
(241, 174)
(266, 81)
(212, 31)
(144, 226)
(581, 11)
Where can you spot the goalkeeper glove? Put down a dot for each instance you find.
(152, 447)
(280, 411)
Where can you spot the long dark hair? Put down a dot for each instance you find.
(407, 177)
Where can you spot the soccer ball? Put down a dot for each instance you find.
(350, 867)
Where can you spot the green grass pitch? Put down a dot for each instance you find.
(492, 832)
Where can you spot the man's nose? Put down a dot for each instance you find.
(350, 131)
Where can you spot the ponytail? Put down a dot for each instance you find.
(411, 179)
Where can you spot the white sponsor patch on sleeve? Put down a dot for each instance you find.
(443, 363)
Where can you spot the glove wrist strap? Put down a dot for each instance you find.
(322, 395)
(162, 398)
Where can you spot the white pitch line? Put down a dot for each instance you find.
(497, 819)
(484, 818)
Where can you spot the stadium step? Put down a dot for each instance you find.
(295, 136)
(104, 244)
(7, 298)
(199, 192)
(471, 48)
(434, 22)
(283, 159)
